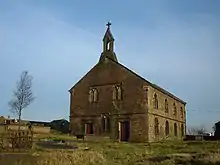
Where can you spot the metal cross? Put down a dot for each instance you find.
(108, 24)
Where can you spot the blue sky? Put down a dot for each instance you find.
(175, 44)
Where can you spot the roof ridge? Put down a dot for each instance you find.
(152, 84)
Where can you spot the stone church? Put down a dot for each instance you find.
(112, 100)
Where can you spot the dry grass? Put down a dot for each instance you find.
(103, 152)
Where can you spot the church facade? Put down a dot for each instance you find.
(111, 100)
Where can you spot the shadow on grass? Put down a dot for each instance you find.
(17, 159)
(183, 159)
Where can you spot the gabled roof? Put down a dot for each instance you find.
(151, 84)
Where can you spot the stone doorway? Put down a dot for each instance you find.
(89, 128)
(124, 131)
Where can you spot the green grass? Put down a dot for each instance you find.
(57, 136)
(100, 151)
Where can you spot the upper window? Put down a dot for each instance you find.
(181, 112)
(155, 101)
(117, 93)
(93, 95)
(95, 98)
(145, 93)
(166, 106)
(174, 109)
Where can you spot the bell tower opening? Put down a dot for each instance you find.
(108, 45)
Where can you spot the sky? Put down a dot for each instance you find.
(174, 44)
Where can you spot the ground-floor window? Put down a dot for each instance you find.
(167, 128)
(175, 129)
(105, 122)
(156, 126)
(182, 130)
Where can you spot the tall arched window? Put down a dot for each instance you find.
(91, 95)
(119, 96)
(167, 128)
(95, 98)
(166, 106)
(174, 109)
(117, 93)
(156, 126)
(182, 130)
(175, 129)
(155, 101)
(181, 112)
(114, 96)
(105, 123)
(145, 95)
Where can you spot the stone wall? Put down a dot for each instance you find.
(104, 76)
(41, 129)
(136, 104)
(35, 129)
(139, 128)
(162, 116)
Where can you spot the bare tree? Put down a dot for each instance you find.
(214, 128)
(196, 130)
(23, 95)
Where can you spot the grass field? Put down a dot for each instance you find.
(97, 151)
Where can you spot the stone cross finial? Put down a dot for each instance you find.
(108, 24)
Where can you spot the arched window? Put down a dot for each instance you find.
(103, 123)
(181, 112)
(166, 106)
(117, 93)
(114, 96)
(156, 126)
(155, 101)
(167, 128)
(95, 98)
(175, 129)
(182, 130)
(146, 93)
(108, 46)
(174, 109)
(91, 95)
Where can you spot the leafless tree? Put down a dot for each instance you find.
(196, 130)
(214, 128)
(23, 95)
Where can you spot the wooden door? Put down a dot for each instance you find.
(125, 130)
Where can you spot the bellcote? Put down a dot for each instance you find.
(108, 45)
